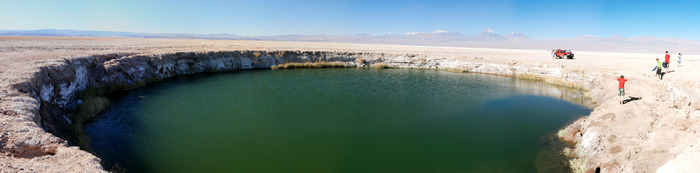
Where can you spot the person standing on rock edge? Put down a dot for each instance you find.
(658, 69)
(622, 81)
(666, 61)
(679, 58)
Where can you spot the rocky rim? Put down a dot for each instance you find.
(39, 79)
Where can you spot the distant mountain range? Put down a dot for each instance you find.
(485, 39)
(438, 35)
(516, 36)
(81, 33)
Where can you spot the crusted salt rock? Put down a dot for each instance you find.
(39, 84)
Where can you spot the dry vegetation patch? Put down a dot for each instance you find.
(310, 65)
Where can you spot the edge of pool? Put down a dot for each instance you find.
(39, 120)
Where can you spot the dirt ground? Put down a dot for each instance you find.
(656, 129)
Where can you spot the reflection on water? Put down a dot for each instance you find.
(333, 120)
(563, 93)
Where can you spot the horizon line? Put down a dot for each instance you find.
(438, 31)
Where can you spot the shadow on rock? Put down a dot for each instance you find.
(630, 99)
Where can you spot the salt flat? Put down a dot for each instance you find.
(658, 131)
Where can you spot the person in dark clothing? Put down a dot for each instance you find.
(658, 69)
(667, 61)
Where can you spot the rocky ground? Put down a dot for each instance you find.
(39, 78)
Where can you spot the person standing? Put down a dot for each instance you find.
(666, 61)
(679, 58)
(658, 69)
(554, 54)
(621, 89)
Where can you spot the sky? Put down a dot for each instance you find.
(535, 18)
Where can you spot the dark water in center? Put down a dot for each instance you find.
(332, 120)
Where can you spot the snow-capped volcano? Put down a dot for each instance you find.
(435, 35)
(487, 35)
(439, 31)
(516, 36)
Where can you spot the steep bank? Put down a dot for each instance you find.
(55, 86)
(655, 130)
(39, 93)
(52, 91)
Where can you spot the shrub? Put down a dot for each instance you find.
(310, 65)
(578, 165)
(456, 70)
(380, 66)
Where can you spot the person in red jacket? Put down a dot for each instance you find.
(666, 61)
(622, 81)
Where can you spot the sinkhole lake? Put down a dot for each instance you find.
(336, 120)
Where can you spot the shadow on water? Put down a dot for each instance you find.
(575, 96)
(537, 115)
(93, 102)
(550, 158)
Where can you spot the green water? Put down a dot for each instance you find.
(334, 120)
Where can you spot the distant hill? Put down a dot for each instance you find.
(484, 39)
(516, 36)
(438, 35)
(81, 33)
(487, 35)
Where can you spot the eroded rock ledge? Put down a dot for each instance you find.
(48, 99)
(42, 107)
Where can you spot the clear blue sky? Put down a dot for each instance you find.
(538, 19)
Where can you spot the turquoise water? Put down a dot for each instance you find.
(332, 120)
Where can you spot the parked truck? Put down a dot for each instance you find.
(562, 54)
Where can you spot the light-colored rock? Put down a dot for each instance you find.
(40, 82)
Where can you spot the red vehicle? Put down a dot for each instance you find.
(560, 53)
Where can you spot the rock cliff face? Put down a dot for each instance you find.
(48, 99)
(41, 81)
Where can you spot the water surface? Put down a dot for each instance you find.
(332, 120)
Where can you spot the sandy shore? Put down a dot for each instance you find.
(658, 131)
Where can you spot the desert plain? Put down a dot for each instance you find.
(657, 131)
